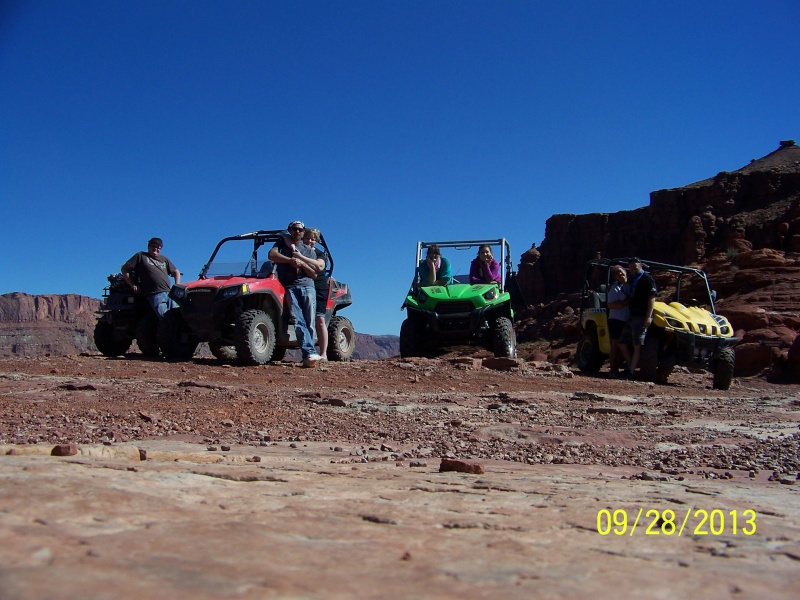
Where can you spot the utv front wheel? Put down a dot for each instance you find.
(222, 352)
(648, 359)
(147, 334)
(723, 374)
(255, 337)
(107, 343)
(341, 339)
(175, 337)
(409, 339)
(665, 367)
(505, 340)
(589, 357)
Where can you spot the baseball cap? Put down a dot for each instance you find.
(635, 259)
(296, 224)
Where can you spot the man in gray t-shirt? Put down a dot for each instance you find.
(152, 272)
(297, 267)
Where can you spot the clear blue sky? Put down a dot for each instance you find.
(380, 122)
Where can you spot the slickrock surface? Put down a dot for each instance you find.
(198, 480)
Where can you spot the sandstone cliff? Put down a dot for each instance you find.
(54, 324)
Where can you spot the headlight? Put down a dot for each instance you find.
(422, 296)
(235, 291)
(674, 323)
(179, 292)
(490, 294)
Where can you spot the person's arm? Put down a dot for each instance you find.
(308, 268)
(445, 274)
(617, 304)
(475, 271)
(126, 272)
(305, 258)
(427, 272)
(494, 271)
(648, 318)
(176, 274)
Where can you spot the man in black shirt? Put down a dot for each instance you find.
(640, 306)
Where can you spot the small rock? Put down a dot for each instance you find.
(64, 450)
(461, 466)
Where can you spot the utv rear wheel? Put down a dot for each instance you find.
(147, 334)
(589, 357)
(409, 339)
(723, 374)
(648, 359)
(255, 337)
(341, 339)
(175, 337)
(222, 352)
(107, 343)
(505, 340)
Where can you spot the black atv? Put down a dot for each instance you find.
(123, 317)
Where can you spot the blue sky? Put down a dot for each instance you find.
(380, 122)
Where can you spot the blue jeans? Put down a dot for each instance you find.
(160, 303)
(302, 304)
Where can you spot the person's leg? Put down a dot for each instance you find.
(322, 336)
(637, 351)
(639, 333)
(625, 351)
(299, 305)
(160, 303)
(613, 367)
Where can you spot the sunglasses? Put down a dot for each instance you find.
(298, 229)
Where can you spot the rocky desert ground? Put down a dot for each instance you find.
(455, 477)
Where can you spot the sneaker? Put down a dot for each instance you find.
(323, 358)
(311, 360)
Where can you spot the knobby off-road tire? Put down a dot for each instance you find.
(723, 373)
(221, 352)
(410, 344)
(175, 337)
(505, 339)
(665, 367)
(341, 339)
(254, 337)
(648, 359)
(107, 343)
(588, 356)
(147, 334)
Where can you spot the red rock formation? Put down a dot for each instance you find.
(52, 324)
(743, 227)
